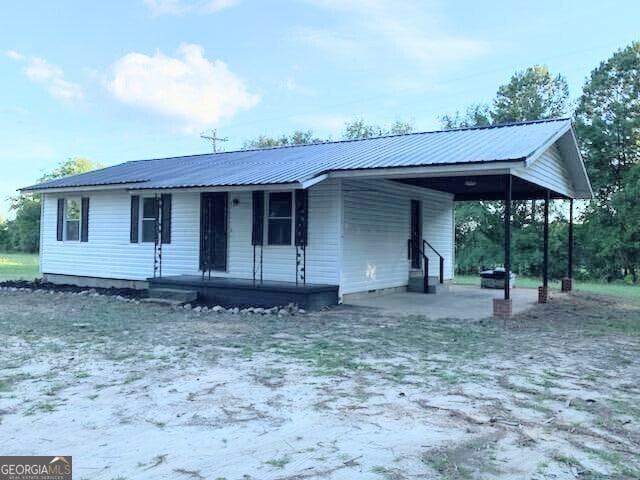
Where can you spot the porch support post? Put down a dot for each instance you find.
(507, 237)
(567, 282)
(502, 307)
(543, 291)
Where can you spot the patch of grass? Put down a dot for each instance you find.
(601, 288)
(133, 377)
(279, 463)
(41, 407)
(18, 266)
(567, 460)
(388, 473)
(449, 470)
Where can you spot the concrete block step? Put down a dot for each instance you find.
(416, 285)
(177, 294)
(162, 301)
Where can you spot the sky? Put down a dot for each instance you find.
(127, 80)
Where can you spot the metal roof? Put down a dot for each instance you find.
(298, 164)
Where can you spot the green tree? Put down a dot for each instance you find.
(608, 125)
(359, 128)
(353, 130)
(298, 137)
(4, 235)
(532, 94)
(23, 232)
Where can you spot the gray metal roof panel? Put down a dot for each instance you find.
(304, 162)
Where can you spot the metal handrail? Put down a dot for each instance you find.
(424, 242)
(425, 260)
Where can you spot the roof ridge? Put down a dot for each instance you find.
(350, 140)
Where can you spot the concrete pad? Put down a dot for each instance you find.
(463, 302)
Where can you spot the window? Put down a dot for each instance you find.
(72, 219)
(279, 223)
(149, 218)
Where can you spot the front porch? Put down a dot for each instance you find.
(232, 292)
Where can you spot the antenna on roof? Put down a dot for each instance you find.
(213, 138)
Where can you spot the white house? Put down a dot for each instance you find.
(347, 217)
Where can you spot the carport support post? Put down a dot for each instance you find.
(567, 282)
(502, 307)
(543, 291)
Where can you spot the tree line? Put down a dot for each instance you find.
(607, 122)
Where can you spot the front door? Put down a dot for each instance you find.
(213, 231)
(416, 233)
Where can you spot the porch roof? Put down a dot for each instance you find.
(467, 151)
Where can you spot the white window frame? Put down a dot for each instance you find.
(64, 219)
(266, 217)
(143, 218)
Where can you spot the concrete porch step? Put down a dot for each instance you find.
(162, 301)
(174, 294)
(416, 284)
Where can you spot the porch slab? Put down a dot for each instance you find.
(462, 302)
(232, 292)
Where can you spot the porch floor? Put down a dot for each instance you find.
(462, 302)
(228, 291)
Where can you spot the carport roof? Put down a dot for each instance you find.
(304, 165)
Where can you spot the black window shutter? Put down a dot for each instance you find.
(166, 217)
(257, 234)
(135, 213)
(84, 223)
(220, 210)
(60, 224)
(302, 217)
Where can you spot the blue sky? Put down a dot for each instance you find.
(124, 80)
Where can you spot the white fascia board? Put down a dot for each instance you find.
(488, 168)
(94, 188)
(315, 180)
(231, 188)
(589, 192)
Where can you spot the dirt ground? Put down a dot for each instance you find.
(141, 391)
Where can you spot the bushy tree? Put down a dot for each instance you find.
(23, 232)
(608, 125)
(359, 128)
(353, 130)
(532, 94)
(298, 137)
(4, 235)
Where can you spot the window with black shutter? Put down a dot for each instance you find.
(145, 215)
(72, 219)
(279, 218)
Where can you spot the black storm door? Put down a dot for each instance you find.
(416, 233)
(213, 231)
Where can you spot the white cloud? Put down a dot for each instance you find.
(181, 7)
(13, 55)
(50, 76)
(409, 28)
(196, 91)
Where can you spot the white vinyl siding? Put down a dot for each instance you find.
(549, 171)
(109, 254)
(376, 227)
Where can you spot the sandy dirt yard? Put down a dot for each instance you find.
(143, 391)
